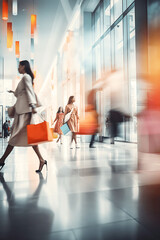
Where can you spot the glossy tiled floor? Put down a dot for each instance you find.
(87, 194)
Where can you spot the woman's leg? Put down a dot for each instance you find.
(41, 160)
(58, 139)
(6, 153)
(74, 137)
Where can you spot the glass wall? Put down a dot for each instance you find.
(117, 8)
(114, 49)
(118, 45)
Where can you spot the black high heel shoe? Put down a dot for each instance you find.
(1, 166)
(39, 170)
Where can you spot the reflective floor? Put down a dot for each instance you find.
(86, 194)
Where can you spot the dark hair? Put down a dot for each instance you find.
(70, 99)
(27, 68)
(59, 110)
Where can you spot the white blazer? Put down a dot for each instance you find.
(25, 95)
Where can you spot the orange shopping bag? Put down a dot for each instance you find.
(54, 134)
(39, 133)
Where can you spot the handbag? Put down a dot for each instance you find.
(68, 116)
(39, 133)
(11, 111)
(65, 129)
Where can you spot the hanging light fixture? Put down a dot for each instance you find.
(33, 24)
(14, 7)
(17, 52)
(5, 9)
(9, 36)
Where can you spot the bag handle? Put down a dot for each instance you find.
(72, 110)
(34, 115)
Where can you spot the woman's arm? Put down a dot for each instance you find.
(66, 111)
(56, 117)
(77, 114)
(14, 92)
(10, 91)
(29, 91)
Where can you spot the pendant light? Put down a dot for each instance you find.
(33, 24)
(9, 36)
(5, 9)
(14, 7)
(17, 52)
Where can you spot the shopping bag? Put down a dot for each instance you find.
(54, 134)
(65, 129)
(89, 125)
(39, 133)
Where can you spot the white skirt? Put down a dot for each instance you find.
(19, 130)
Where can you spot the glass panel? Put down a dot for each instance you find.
(107, 52)
(124, 5)
(107, 14)
(112, 11)
(97, 24)
(129, 2)
(132, 74)
(98, 61)
(119, 45)
(117, 8)
(1, 120)
(112, 49)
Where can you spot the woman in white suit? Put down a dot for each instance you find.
(24, 108)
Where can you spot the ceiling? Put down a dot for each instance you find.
(53, 17)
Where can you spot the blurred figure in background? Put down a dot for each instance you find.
(149, 117)
(91, 109)
(59, 122)
(118, 108)
(115, 117)
(9, 127)
(5, 129)
(73, 120)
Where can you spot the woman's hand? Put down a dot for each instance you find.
(34, 110)
(10, 91)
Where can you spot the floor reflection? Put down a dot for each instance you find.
(26, 219)
(87, 194)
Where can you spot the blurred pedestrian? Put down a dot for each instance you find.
(9, 129)
(91, 100)
(114, 119)
(73, 120)
(59, 122)
(5, 129)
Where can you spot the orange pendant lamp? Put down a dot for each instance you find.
(17, 52)
(5, 9)
(9, 36)
(33, 24)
